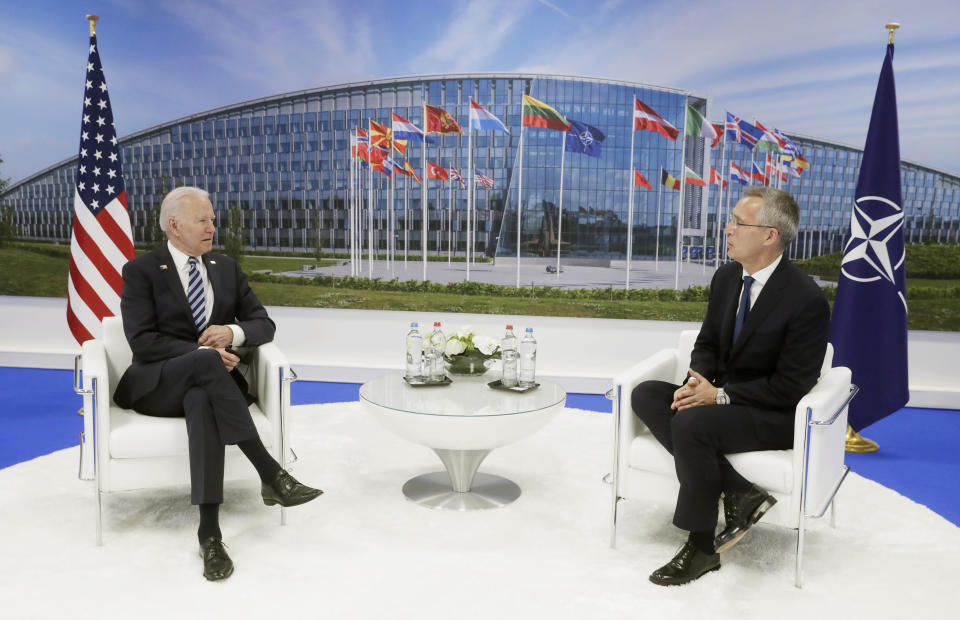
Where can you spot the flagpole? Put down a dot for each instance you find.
(656, 256)
(716, 232)
(449, 223)
(563, 153)
(370, 205)
(633, 135)
(406, 219)
(519, 194)
(683, 182)
(349, 202)
(470, 197)
(423, 194)
(392, 221)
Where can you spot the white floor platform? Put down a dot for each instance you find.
(363, 551)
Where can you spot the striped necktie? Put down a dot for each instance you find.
(195, 297)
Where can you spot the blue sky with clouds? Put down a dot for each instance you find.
(808, 67)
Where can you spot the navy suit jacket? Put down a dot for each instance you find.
(777, 358)
(157, 319)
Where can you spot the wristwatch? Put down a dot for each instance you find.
(722, 398)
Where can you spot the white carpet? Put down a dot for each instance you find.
(363, 551)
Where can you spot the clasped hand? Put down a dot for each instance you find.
(216, 336)
(695, 392)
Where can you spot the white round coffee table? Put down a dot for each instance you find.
(461, 423)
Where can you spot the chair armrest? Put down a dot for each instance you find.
(96, 406)
(267, 363)
(660, 366)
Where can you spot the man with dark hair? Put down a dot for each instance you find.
(183, 310)
(759, 351)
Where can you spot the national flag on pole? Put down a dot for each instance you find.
(692, 178)
(645, 117)
(669, 180)
(718, 128)
(440, 121)
(436, 172)
(455, 176)
(404, 129)
(733, 128)
(767, 141)
(716, 178)
(698, 126)
(360, 149)
(482, 120)
(739, 174)
(101, 241)
(640, 181)
(758, 174)
(377, 155)
(801, 163)
(584, 138)
(750, 135)
(380, 135)
(484, 180)
(407, 170)
(869, 325)
(538, 114)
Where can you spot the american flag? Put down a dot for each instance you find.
(101, 241)
(484, 180)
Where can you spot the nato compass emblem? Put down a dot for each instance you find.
(874, 251)
(586, 138)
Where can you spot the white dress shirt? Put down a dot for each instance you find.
(182, 262)
(759, 280)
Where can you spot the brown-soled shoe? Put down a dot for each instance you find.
(217, 565)
(286, 491)
(741, 511)
(688, 565)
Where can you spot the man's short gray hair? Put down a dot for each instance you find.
(170, 207)
(777, 209)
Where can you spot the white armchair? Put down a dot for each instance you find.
(123, 450)
(804, 480)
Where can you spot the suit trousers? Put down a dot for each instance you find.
(198, 387)
(698, 438)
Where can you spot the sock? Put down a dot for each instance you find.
(209, 522)
(702, 541)
(266, 466)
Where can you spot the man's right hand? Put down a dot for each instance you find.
(229, 359)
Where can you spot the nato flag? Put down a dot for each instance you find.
(583, 138)
(869, 325)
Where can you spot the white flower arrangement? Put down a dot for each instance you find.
(467, 341)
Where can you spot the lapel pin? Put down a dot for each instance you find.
(163, 267)
(213, 262)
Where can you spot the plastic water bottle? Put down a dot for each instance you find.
(509, 340)
(528, 359)
(437, 342)
(414, 351)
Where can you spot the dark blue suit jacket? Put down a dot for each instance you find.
(157, 319)
(778, 356)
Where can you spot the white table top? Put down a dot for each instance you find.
(465, 397)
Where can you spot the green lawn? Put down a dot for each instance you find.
(30, 273)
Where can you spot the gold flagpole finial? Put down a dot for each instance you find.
(93, 24)
(892, 27)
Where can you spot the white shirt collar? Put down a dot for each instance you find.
(180, 259)
(762, 275)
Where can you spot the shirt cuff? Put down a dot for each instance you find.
(238, 336)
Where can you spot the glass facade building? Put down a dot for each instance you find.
(284, 161)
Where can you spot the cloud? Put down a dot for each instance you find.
(472, 37)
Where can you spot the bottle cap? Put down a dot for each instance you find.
(436, 323)
(509, 326)
(414, 324)
(529, 330)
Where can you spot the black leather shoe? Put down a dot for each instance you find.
(217, 565)
(689, 564)
(286, 491)
(741, 511)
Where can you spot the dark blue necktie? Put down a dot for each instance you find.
(195, 297)
(744, 307)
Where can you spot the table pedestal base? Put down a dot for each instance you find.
(487, 491)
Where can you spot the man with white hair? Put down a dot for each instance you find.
(758, 352)
(183, 310)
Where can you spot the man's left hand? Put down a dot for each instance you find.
(216, 336)
(697, 391)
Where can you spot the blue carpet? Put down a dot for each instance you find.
(917, 456)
